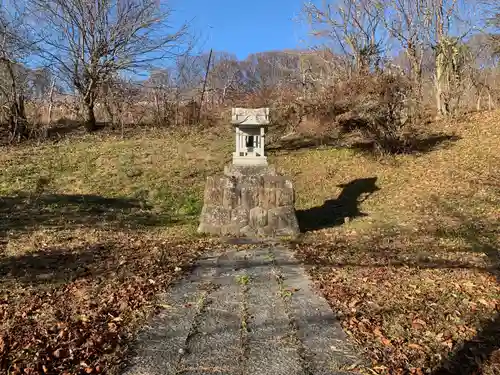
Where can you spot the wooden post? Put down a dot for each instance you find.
(204, 85)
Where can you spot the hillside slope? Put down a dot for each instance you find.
(405, 248)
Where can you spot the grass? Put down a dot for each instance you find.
(413, 275)
(91, 231)
(243, 280)
(151, 183)
(404, 248)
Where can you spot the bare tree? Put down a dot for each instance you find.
(405, 20)
(493, 20)
(15, 44)
(447, 28)
(225, 77)
(482, 69)
(118, 96)
(90, 41)
(265, 73)
(352, 27)
(437, 25)
(188, 73)
(161, 87)
(40, 82)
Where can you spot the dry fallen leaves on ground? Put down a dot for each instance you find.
(74, 310)
(407, 311)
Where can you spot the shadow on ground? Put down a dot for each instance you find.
(303, 143)
(59, 265)
(60, 129)
(469, 359)
(26, 212)
(335, 212)
(414, 145)
(65, 126)
(479, 355)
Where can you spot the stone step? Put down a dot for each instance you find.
(325, 347)
(235, 315)
(216, 346)
(271, 348)
(160, 345)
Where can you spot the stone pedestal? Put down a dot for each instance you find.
(251, 201)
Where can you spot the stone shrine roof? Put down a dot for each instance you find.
(250, 116)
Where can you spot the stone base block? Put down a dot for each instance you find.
(249, 160)
(251, 201)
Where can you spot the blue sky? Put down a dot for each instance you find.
(242, 27)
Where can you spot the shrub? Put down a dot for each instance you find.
(378, 105)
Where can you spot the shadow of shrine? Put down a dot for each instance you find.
(337, 211)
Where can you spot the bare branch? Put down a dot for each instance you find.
(90, 41)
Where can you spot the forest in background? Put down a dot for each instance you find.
(383, 67)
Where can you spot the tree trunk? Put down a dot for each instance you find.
(51, 102)
(439, 57)
(416, 78)
(90, 123)
(442, 103)
(109, 111)
(17, 119)
(158, 109)
(417, 82)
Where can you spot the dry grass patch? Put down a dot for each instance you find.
(73, 309)
(411, 263)
(92, 230)
(109, 183)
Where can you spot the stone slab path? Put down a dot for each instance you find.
(244, 313)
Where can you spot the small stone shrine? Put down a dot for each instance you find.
(250, 126)
(249, 198)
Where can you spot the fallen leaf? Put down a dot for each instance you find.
(57, 353)
(385, 341)
(418, 324)
(353, 303)
(164, 305)
(482, 301)
(377, 332)
(415, 346)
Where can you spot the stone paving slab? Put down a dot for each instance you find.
(244, 313)
(271, 347)
(326, 348)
